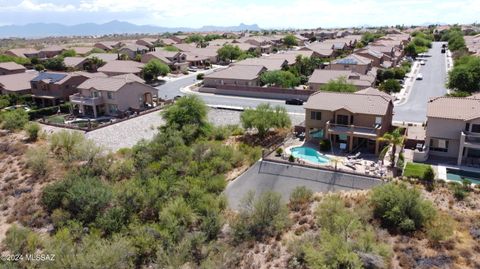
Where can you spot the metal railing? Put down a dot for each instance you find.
(87, 100)
(342, 128)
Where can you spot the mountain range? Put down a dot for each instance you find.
(33, 30)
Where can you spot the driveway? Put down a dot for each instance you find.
(281, 178)
(432, 85)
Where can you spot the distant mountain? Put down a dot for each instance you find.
(113, 27)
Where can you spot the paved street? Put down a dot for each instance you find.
(281, 178)
(432, 85)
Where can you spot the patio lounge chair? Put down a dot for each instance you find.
(351, 157)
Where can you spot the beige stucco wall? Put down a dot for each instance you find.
(213, 82)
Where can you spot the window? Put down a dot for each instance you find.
(96, 94)
(112, 108)
(315, 115)
(439, 145)
(467, 127)
(109, 95)
(378, 121)
(342, 119)
(475, 128)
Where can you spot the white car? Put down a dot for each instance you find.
(419, 76)
(422, 62)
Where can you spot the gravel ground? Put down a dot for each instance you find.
(128, 133)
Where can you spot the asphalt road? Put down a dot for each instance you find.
(172, 89)
(433, 85)
(281, 178)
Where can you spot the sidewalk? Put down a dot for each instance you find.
(404, 93)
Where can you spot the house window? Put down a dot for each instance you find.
(378, 121)
(109, 95)
(440, 145)
(475, 128)
(315, 115)
(342, 119)
(112, 108)
(96, 94)
(467, 127)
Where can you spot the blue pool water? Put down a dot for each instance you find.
(309, 154)
(460, 175)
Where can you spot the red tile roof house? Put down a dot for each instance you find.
(118, 67)
(237, 75)
(132, 50)
(50, 52)
(353, 62)
(51, 88)
(321, 77)
(108, 45)
(8, 68)
(17, 83)
(177, 61)
(351, 121)
(23, 52)
(269, 64)
(112, 96)
(453, 129)
(75, 63)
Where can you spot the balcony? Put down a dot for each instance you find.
(353, 130)
(471, 140)
(86, 100)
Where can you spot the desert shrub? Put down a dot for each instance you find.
(440, 228)
(279, 151)
(72, 146)
(37, 160)
(112, 221)
(325, 145)
(265, 117)
(32, 130)
(299, 197)
(261, 217)
(14, 120)
(428, 174)
(83, 198)
(200, 76)
(459, 191)
(291, 158)
(401, 208)
(20, 240)
(60, 217)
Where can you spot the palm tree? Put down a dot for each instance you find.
(335, 161)
(394, 139)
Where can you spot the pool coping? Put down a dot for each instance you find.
(289, 152)
(442, 171)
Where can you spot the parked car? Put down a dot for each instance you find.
(193, 69)
(296, 102)
(422, 62)
(177, 97)
(419, 76)
(444, 45)
(443, 50)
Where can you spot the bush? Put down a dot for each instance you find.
(264, 117)
(200, 76)
(14, 120)
(48, 111)
(279, 151)
(32, 130)
(66, 144)
(325, 145)
(390, 85)
(428, 174)
(261, 217)
(459, 191)
(37, 160)
(39, 67)
(291, 158)
(19, 240)
(299, 197)
(440, 228)
(401, 208)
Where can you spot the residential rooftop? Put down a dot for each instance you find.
(455, 108)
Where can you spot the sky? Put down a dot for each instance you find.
(265, 13)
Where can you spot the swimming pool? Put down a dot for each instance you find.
(309, 154)
(460, 175)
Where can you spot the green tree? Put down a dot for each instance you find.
(401, 208)
(280, 78)
(171, 48)
(465, 75)
(290, 41)
(339, 85)
(390, 85)
(153, 69)
(39, 67)
(55, 64)
(411, 50)
(69, 53)
(18, 60)
(14, 119)
(229, 52)
(94, 63)
(264, 117)
(394, 139)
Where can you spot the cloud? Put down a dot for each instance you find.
(267, 13)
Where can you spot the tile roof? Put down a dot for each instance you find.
(106, 57)
(243, 72)
(73, 61)
(323, 76)
(53, 48)
(456, 108)
(121, 67)
(353, 59)
(356, 103)
(133, 47)
(11, 66)
(290, 56)
(270, 64)
(81, 50)
(110, 84)
(20, 52)
(17, 82)
(373, 91)
(50, 77)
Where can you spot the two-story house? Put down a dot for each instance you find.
(351, 121)
(132, 50)
(177, 61)
(112, 96)
(52, 88)
(453, 128)
(353, 62)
